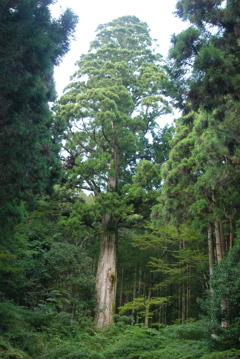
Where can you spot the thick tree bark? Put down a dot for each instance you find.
(106, 281)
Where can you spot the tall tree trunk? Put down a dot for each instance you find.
(219, 244)
(106, 281)
(134, 291)
(218, 229)
(183, 304)
(188, 294)
(223, 240)
(121, 289)
(139, 281)
(210, 248)
(146, 319)
(224, 310)
(231, 233)
(231, 228)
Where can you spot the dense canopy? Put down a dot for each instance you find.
(119, 237)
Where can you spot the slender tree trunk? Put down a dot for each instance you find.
(218, 230)
(188, 294)
(139, 290)
(121, 289)
(210, 248)
(106, 281)
(220, 255)
(183, 304)
(134, 291)
(231, 234)
(218, 240)
(224, 310)
(231, 228)
(183, 289)
(139, 281)
(146, 319)
(223, 239)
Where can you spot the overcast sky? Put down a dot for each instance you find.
(158, 14)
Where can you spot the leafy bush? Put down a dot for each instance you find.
(144, 343)
(223, 355)
(122, 319)
(43, 333)
(193, 331)
(179, 349)
(72, 350)
(223, 302)
(133, 342)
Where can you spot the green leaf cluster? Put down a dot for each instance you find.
(31, 44)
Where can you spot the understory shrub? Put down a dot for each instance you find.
(72, 350)
(233, 354)
(193, 331)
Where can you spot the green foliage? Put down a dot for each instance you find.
(68, 277)
(72, 351)
(9, 352)
(189, 350)
(191, 331)
(135, 344)
(144, 343)
(195, 171)
(31, 44)
(113, 110)
(144, 306)
(175, 258)
(44, 333)
(222, 302)
(110, 112)
(18, 330)
(46, 267)
(204, 59)
(223, 355)
(41, 331)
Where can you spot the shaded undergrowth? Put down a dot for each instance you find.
(44, 333)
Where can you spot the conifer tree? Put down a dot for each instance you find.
(31, 43)
(204, 59)
(201, 181)
(204, 65)
(202, 176)
(110, 107)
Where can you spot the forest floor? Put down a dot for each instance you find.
(46, 334)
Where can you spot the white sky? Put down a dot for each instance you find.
(158, 14)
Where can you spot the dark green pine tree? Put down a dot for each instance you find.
(205, 58)
(201, 181)
(202, 176)
(31, 43)
(204, 65)
(110, 107)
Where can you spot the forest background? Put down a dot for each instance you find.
(120, 238)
